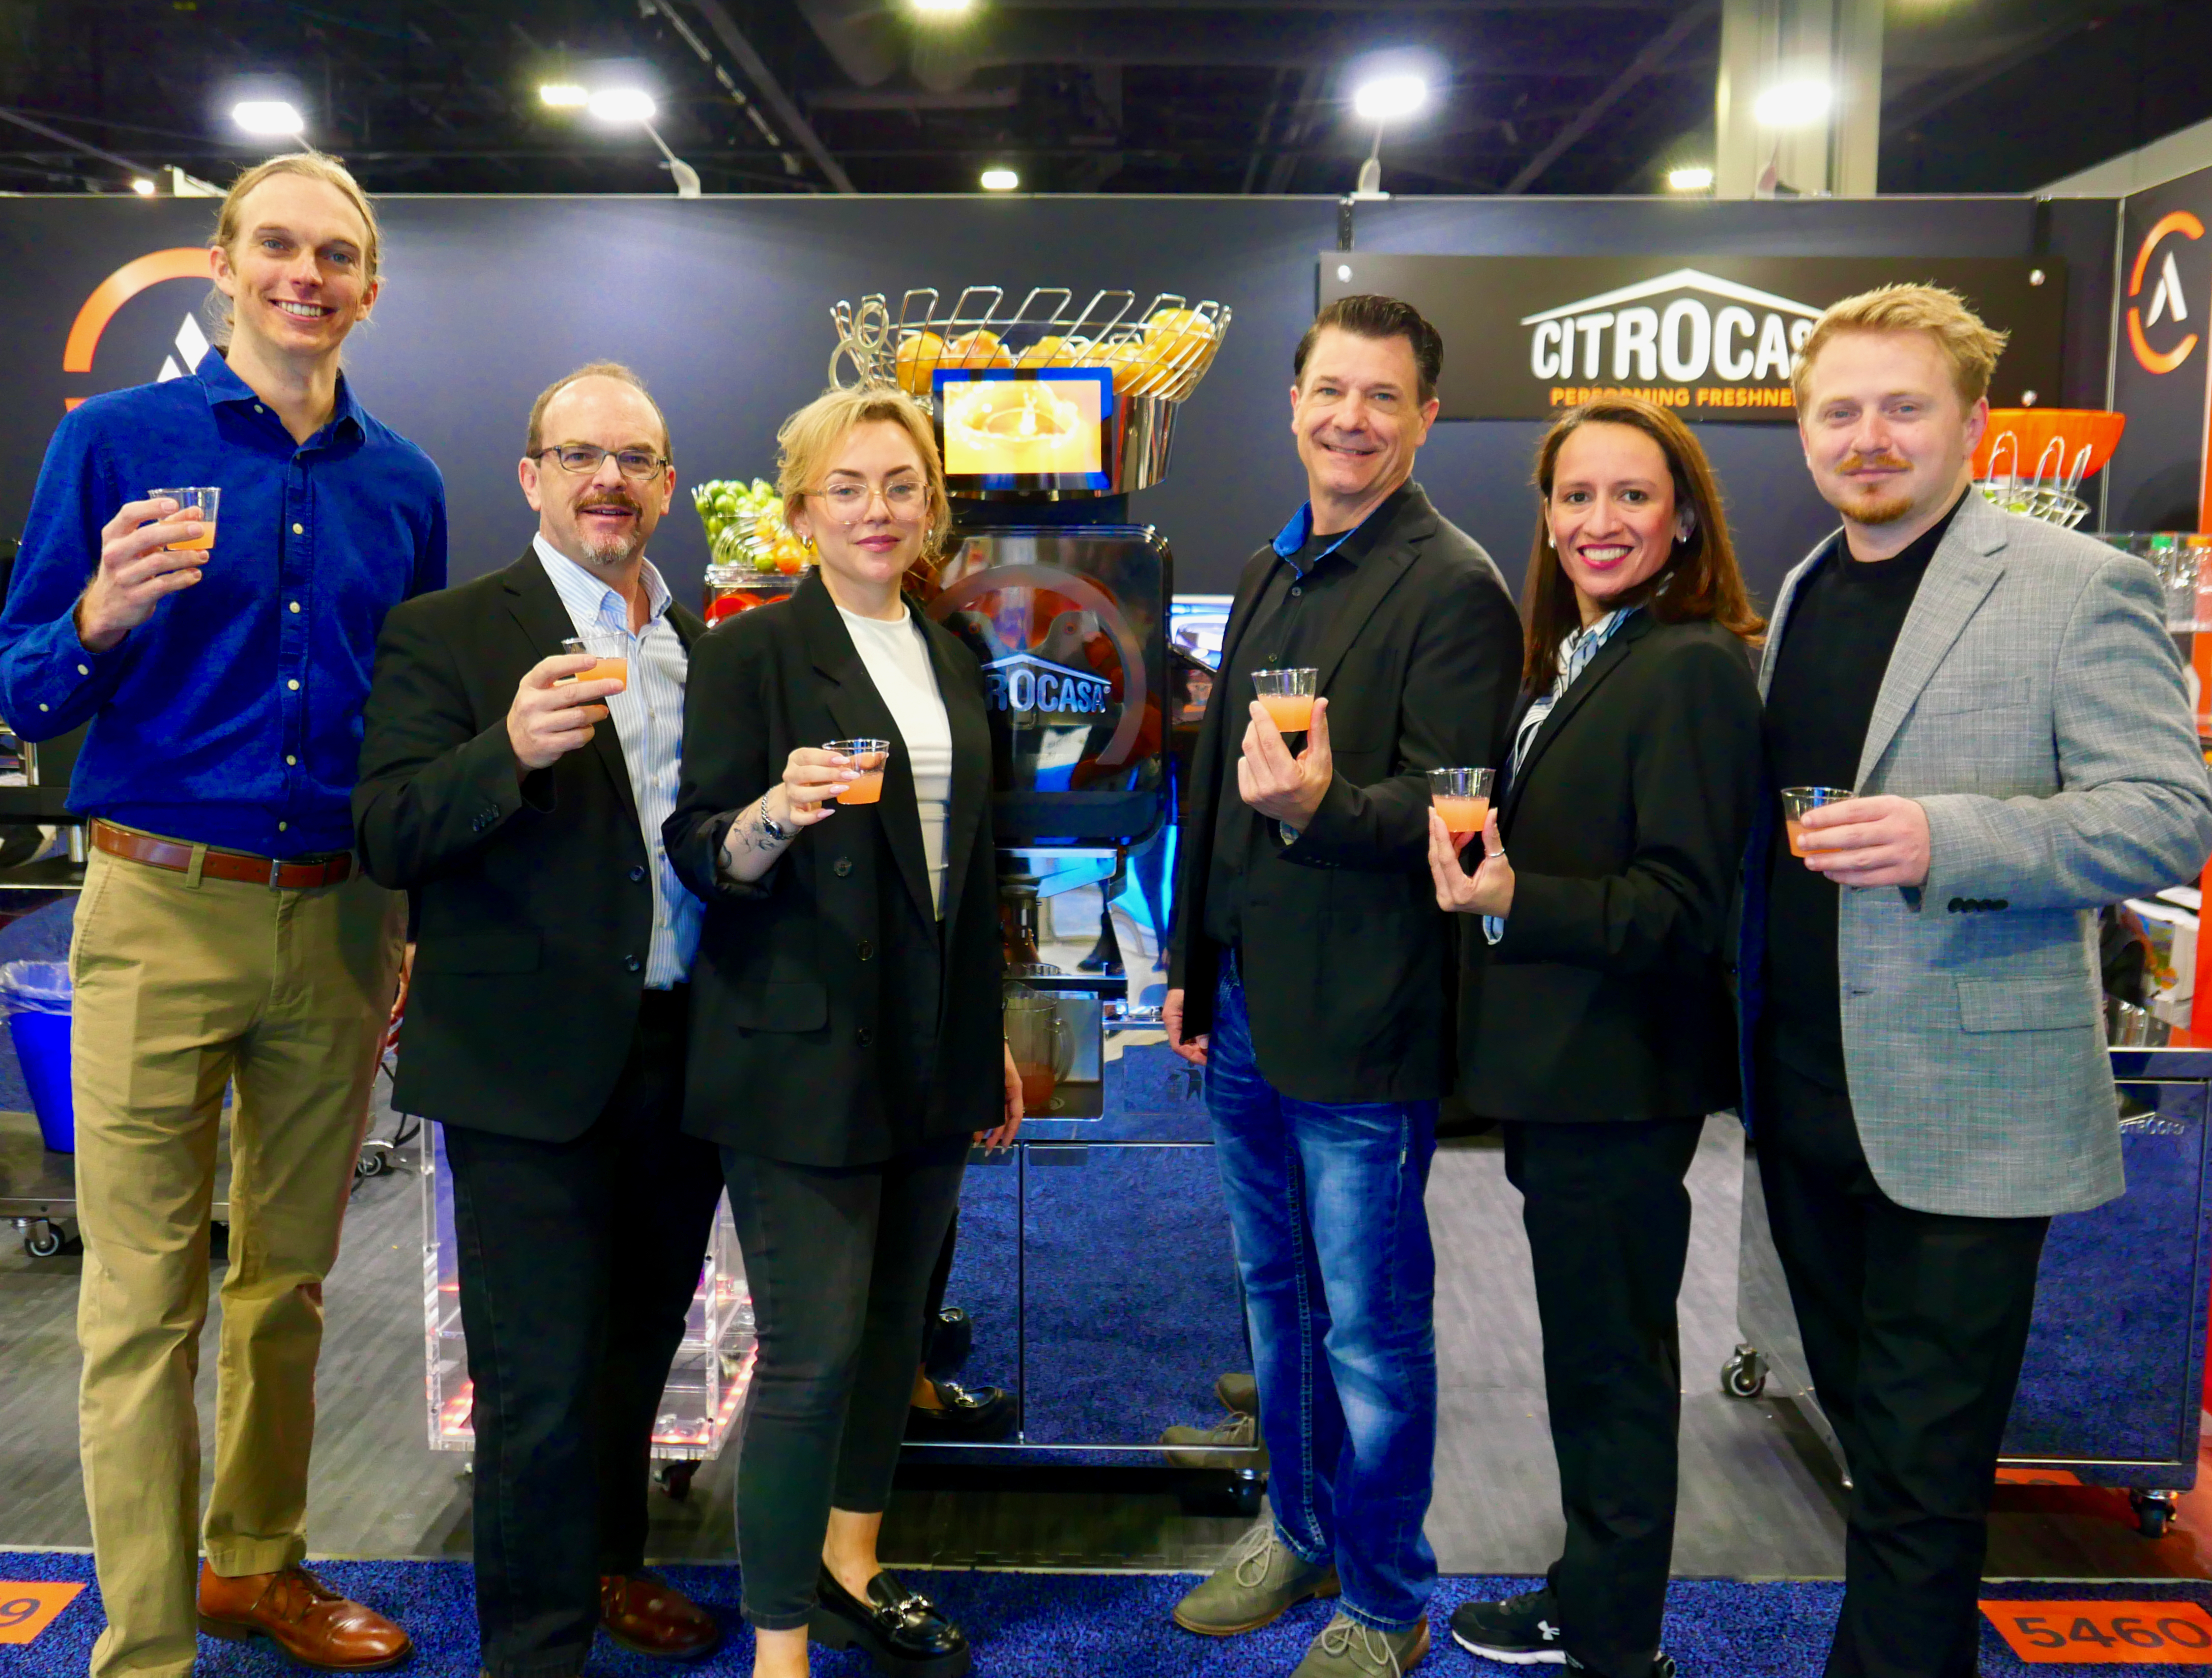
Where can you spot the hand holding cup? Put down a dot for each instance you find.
(554, 711)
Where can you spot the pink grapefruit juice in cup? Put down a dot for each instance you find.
(868, 756)
(199, 504)
(1461, 797)
(1287, 696)
(1796, 800)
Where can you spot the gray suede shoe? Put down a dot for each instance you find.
(1346, 1649)
(1260, 1579)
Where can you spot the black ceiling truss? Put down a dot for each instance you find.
(1222, 96)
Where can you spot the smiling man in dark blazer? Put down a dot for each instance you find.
(520, 805)
(1310, 979)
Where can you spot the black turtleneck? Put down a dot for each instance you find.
(1842, 627)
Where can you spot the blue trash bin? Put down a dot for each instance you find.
(35, 996)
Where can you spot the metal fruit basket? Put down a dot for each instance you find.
(1161, 351)
(2068, 444)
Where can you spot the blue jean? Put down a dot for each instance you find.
(1325, 1202)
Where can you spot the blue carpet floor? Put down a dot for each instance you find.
(1060, 1626)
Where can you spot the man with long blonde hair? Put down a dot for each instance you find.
(224, 935)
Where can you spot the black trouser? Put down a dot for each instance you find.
(1914, 1325)
(1609, 1222)
(838, 1260)
(933, 1300)
(578, 1263)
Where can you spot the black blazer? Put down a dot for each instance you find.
(1346, 957)
(533, 906)
(831, 1023)
(1607, 996)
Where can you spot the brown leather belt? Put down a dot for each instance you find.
(155, 852)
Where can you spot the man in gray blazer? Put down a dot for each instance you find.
(1926, 1071)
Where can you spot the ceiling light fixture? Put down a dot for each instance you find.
(1799, 104)
(1695, 178)
(1386, 98)
(943, 8)
(1000, 181)
(622, 105)
(267, 117)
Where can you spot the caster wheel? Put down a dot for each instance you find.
(372, 1164)
(2154, 1512)
(1248, 1493)
(44, 1241)
(1744, 1376)
(675, 1478)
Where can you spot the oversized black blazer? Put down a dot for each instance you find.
(1346, 958)
(533, 902)
(1607, 997)
(833, 1022)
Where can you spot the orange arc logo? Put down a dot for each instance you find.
(183, 261)
(2154, 360)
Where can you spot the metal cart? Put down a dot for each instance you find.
(2111, 1388)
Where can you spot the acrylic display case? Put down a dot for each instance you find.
(706, 1383)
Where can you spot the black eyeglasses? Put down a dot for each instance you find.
(632, 463)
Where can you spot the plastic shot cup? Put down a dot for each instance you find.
(1796, 800)
(200, 503)
(606, 670)
(1288, 697)
(868, 756)
(1461, 797)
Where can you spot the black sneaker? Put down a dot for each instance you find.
(1521, 1631)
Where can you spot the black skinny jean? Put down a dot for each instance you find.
(1608, 1224)
(578, 1263)
(838, 1260)
(1914, 1324)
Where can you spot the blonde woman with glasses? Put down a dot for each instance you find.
(847, 1050)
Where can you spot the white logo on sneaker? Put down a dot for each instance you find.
(1548, 1629)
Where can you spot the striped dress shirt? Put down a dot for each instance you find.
(649, 719)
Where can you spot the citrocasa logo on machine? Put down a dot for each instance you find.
(1718, 344)
(1025, 682)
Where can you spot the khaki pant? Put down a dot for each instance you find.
(182, 985)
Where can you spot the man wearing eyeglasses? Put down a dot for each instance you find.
(517, 792)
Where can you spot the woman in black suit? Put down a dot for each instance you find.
(846, 1043)
(1595, 1021)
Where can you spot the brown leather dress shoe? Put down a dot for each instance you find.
(650, 1618)
(302, 1616)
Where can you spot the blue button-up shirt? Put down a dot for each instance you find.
(232, 717)
(648, 721)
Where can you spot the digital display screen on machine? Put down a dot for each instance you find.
(1009, 423)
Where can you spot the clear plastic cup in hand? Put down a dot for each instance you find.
(868, 756)
(202, 504)
(1287, 696)
(1461, 797)
(1796, 800)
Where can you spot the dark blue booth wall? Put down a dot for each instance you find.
(724, 305)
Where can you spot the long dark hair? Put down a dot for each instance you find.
(1700, 580)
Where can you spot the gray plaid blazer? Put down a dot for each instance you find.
(2034, 705)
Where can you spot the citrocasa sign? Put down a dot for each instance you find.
(1709, 331)
(1711, 337)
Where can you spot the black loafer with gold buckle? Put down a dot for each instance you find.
(901, 1630)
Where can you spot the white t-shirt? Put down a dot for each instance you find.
(897, 659)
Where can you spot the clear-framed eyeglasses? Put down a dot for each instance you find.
(635, 464)
(905, 501)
